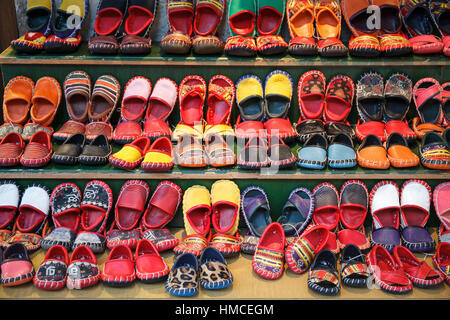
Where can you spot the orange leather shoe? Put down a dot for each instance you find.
(399, 154)
(300, 18)
(371, 154)
(17, 100)
(46, 100)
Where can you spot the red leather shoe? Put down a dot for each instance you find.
(376, 128)
(119, 267)
(150, 266)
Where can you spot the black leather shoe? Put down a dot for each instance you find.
(70, 150)
(96, 152)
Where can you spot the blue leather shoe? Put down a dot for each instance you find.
(341, 153)
(313, 154)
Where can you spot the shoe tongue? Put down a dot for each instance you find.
(216, 6)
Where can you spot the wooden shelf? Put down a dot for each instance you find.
(158, 58)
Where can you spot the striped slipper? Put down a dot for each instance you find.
(387, 274)
(11, 149)
(419, 272)
(354, 272)
(193, 244)
(104, 99)
(150, 266)
(163, 239)
(323, 275)
(268, 260)
(214, 272)
(301, 252)
(227, 245)
(255, 209)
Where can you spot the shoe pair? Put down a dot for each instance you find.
(75, 150)
(144, 104)
(34, 105)
(383, 106)
(122, 268)
(330, 129)
(79, 220)
(192, 95)
(367, 39)
(202, 28)
(263, 112)
(56, 270)
(134, 216)
(256, 17)
(130, 20)
(294, 218)
(50, 30)
(399, 217)
(36, 154)
(30, 225)
(211, 270)
(84, 105)
(316, 153)
(308, 20)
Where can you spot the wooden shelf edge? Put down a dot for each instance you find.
(218, 176)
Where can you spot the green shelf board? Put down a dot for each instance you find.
(82, 56)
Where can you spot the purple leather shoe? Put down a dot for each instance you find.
(297, 212)
(256, 210)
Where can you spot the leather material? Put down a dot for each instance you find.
(341, 149)
(149, 263)
(197, 210)
(371, 154)
(311, 93)
(282, 128)
(297, 212)
(370, 128)
(256, 209)
(16, 267)
(250, 98)
(326, 206)
(418, 235)
(191, 96)
(399, 154)
(72, 147)
(119, 266)
(38, 151)
(135, 99)
(17, 100)
(388, 237)
(440, 194)
(225, 206)
(130, 204)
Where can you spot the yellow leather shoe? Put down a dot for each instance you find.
(197, 210)
(131, 155)
(225, 199)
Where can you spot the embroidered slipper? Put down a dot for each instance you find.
(441, 260)
(354, 272)
(419, 26)
(207, 45)
(160, 106)
(67, 23)
(341, 153)
(130, 204)
(419, 272)
(279, 154)
(77, 91)
(254, 155)
(65, 202)
(38, 151)
(242, 26)
(190, 152)
(249, 98)
(225, 206)
(119, 269)
(104, 99)
(301, 252)
(220, 153)
(17, 100)
(300, 18)
(193, 244)
(367, 46)
(385, 209)
(371, 154)
(9, 203)
(370, 97)
(268, 260)
(163, 205)
(333, 129)
(306, 128)
(255, 210)
(338, 98)
(328, 29)
(131, 154)
(16, 267)
(220, 100)
(96, 152)
(31, 128)
(108, 22)
(214, 272)
(183, 277)
(270, 45)
(240, 46)
(68, 129)
(394, 45)
(159, 156)
(391, 17)
(197, 210)
(297, 212)
(83, 270)
(434, 152)
(150, 266)
(95, 208)
(311, 94)
(323, 275)
(11, 149)
(228, 245)
(249, 244)
(180, 16)
(313, 153)
(326, 206)
(191, 95)
(440, 193)
(427, 95)
(8, 128)
(415, 201)
(387, 273)
(39, 26)
(52, 272)
(278, 94)
(398, 152)
(161, 238)
(70, 150)
(138, 23)
(353, 205)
